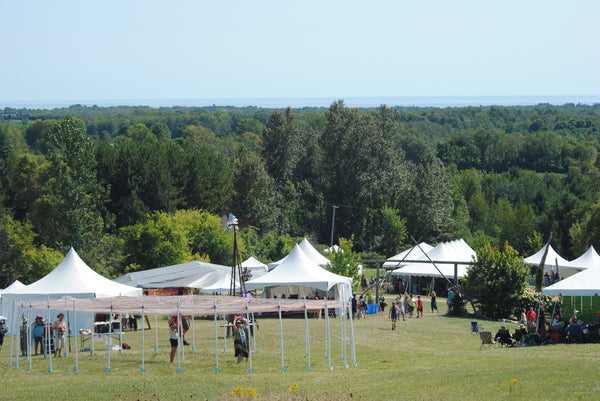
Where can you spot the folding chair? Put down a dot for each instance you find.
(486, 339)
(475, 327)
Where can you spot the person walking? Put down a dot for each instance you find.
(394, 315)
(419, 307)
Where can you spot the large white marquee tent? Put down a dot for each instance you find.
(446, 256)
(194, 274)
(309, 250)
(553, 259)
(71, 279)
(298, 276)
(413, 253)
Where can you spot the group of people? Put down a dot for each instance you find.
(39, 329)
(534, 329)
(403, 305)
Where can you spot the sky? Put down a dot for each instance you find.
(86, 51)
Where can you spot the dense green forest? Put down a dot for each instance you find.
(138, 187)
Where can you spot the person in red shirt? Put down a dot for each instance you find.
(531, 317)
(419, 307)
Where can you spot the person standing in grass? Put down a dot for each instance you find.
(411, 305)
(60, 328)
(400, 305)
(173, 337)
(240, 341)
(434, 302)
(419, 307)
(394, 315)
(363, 308)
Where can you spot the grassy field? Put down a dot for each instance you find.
(436, 357)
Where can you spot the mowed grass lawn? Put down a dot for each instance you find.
(432, 358)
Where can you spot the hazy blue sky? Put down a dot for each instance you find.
(95, 50)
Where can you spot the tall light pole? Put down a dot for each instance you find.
(333, 224)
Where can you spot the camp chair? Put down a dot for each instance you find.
(476, 327)
(486, 339)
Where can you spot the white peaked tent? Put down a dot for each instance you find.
(216, 281)
(413, 253)
(584, 283)
(552, 259)
(298, 275)
(312, 253)
(255, 267)
(253, 264)
(71, 279)
(589, 260)
(14, 286)
(445, 255)
(309, 250)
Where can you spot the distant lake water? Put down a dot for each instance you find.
(273, 103)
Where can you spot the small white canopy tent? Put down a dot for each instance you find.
(255, 267)
(589, 260)
(71, 279)
(216, 281)
(552, 259)
(298, 275)
(413, 253)
(584, 283)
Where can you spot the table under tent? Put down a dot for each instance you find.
(201, 305)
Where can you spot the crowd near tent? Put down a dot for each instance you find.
(71, 279)
(299, 276)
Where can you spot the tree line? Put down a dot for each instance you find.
(137, 187)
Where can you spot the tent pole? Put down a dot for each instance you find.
(216, 339)
(254, 336)
(76, 368)
(352, 349)
(251, 332)
(326, 331)
(343, 334)
(18, 344)
(93, 332)
(307, 336)
(328, 340)
(48, 344)
(12, 331)
(283, 368)
(110, 320)
(143, 370)
(179, 343)
(305, 328)
(156, 333)
(29, 339)
(193, 330)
